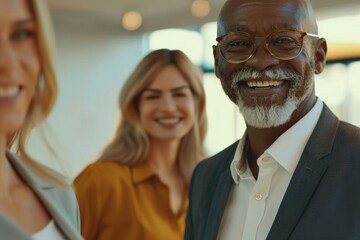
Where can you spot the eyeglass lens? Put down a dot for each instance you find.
(281, 44)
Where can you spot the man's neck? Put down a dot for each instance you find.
(258, 141)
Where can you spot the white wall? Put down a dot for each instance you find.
(92, 65)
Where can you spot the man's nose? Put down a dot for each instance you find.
(261, 58)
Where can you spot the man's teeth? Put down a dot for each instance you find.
(264, 83)
(168, 121)
(7, 92)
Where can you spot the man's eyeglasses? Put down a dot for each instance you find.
(238, 47)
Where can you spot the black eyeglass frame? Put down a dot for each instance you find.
(254, 47)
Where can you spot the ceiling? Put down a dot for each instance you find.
(159, 14)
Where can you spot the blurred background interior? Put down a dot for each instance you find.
(99, 43)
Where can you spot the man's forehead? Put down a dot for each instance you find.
(234, 9)
(243, 3)
(257, 3)
(233, 6)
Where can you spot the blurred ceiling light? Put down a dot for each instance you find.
(200, 8)
(132, 20)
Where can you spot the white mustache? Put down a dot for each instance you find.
(248, 74)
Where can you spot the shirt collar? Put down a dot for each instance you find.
(238, 166)
(141, 172)
(286, 150)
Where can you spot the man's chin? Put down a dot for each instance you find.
(267, 116)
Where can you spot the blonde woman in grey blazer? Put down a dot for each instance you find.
(35, 201)
(60, 203)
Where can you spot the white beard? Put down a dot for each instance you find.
(267, 117)
(261, 116)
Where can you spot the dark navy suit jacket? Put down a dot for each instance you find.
(322, 201)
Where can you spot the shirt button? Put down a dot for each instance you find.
(258, 197)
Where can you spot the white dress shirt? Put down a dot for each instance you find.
(252, 204)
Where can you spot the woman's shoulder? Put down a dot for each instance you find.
(100, 180)
(106, 168)
(38, 174)
(104, 172)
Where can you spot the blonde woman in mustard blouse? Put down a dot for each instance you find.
(138, 187)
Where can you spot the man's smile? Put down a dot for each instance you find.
(263, 87)
(264, 84)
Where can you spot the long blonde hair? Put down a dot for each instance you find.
(131, 143)
(44, 96)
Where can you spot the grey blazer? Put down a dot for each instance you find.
(322, 201)
(61, 204)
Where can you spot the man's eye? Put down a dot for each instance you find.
(22, 35)
(284, 41)
(240, 43)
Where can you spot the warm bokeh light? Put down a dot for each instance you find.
(132, 21)
(343, 50)
(200, 8)
(341, 35)
(190, 42)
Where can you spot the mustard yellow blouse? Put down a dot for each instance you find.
(122, 202)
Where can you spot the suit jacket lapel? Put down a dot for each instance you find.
(311, 168)
(218, 205)
(48, 196)
(54, 206)
(220, 196)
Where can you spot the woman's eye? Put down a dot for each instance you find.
(22, 35)
(180, 95)
(184, 93)
(150, 97)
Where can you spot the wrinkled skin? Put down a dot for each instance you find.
(259, 19)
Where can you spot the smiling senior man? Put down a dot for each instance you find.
(295, 173)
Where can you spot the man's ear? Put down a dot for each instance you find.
(320, 55)
(216, 60)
